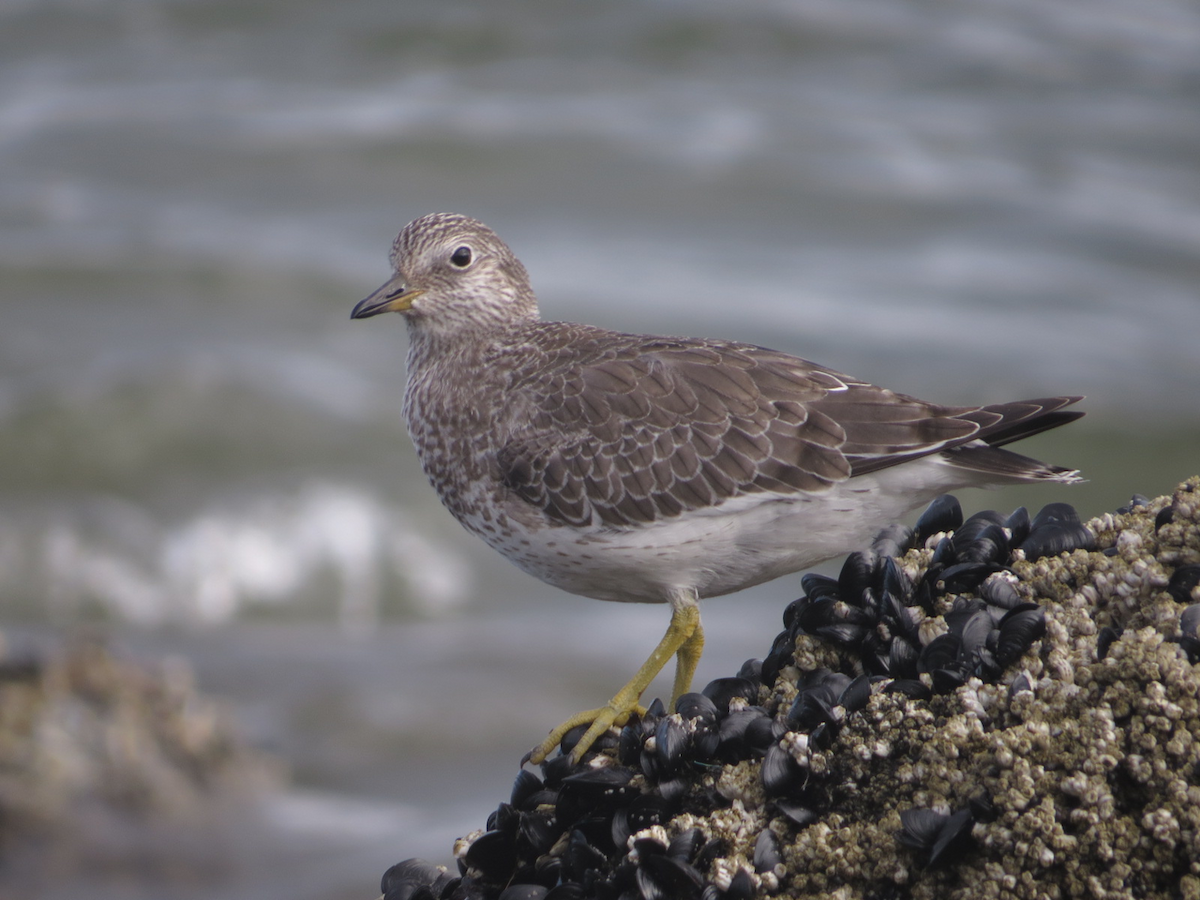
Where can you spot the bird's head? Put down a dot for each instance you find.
(452, 273)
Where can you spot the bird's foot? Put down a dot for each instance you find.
(684, 636)
(615, 713)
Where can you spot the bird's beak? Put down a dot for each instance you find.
(394, 296)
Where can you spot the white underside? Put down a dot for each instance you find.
(741, 543)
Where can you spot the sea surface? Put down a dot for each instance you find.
(202, 455)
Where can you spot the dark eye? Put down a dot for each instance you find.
(461, 257)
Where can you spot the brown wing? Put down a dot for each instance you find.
(644, 429)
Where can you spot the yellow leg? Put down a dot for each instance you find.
(686, 660)
(684, 637)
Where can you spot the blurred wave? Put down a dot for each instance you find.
(328, 548)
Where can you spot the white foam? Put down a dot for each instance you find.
(271, 550)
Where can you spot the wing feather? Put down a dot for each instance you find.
(626, 430)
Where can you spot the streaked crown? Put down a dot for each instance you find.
(468, 278)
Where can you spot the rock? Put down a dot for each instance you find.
(955, 722)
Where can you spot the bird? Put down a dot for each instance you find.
(652, 469)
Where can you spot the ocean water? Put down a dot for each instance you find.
(200, 451)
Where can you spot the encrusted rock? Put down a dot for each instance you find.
(1028, 734)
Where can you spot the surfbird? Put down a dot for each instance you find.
(655, 469)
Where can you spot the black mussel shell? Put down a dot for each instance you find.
(946, 681)
(811, 709)
(962, 610)
(895, 588)
(954, 837)
(1019, 628)
(1057, 537)
(762, 732)
(902, 658)
(1017, 525)
(402, 880)
(667, 878)
(752, 669)
(822, 736)
(781, 774)
(407, 890)
(494, 855)
(1189, 632)
(556, 768)
(768, 853)
(799, 812)
(975, 633)
(920, 828)
(823, 682)
(1165, 516)
(505, 818)
(1183, 582)
(781, 655)
(857, 576)
(935, 835)
(856, 694)
(524, 892)
(537, 833)
(1020, 685)
(1134, 502)
(965, 577)
(673, 790)
(525, 787)
(913, 688)
(687, 844)
(983, 807)
(629, 744)
(791, 611)
(567, 891)
(818, 586)
(848, 634)
(671, 743)
(580, 857)
(741, 887)
(649, 846)
(1105, 639)
(814, 613)
(977, 523)
(705, 743)
(997, 590)
(943, 514)
(894, 540)
(712, 850)
(1054, 512)
(1189, 620)
(989, 545)
(593, 792)
(943, 555)
(722, 690)
(571, 738)
(734, 741)
(940, 653)
(1056, 529)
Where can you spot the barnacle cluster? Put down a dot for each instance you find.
(1001, 707)
(86, 736)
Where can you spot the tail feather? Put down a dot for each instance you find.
(998, 424)
(1003, 423)
(1005, 466)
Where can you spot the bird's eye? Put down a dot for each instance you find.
(461, 257)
